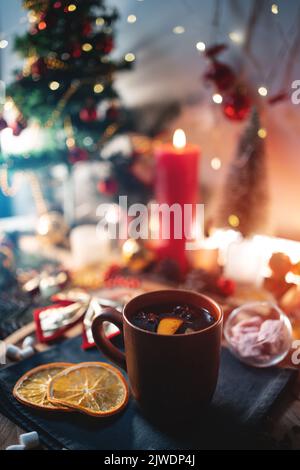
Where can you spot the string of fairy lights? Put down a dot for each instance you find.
(86, 47)
(235, 36)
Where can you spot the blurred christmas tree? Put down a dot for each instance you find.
(62, 107)
(244, 197)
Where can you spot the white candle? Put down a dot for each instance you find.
(205, 257)
(89, 246)
(245, 262)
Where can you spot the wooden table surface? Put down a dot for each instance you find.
(283, 424)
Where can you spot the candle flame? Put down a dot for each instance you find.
(179, 139)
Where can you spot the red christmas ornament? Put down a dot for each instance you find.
(226, 286)
(221, 75)
(3, 124)
(237, 105)
(77, 155)
(17, 129)
(76, 51)
(88, 114)
(49, 18)
(18, 126)
(112, 113)
(108, 187)
(87, 28)
(42, 25)
(57, 5)
(106, 45)
(39, 67)
(33, 31)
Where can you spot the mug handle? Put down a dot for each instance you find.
(104, 345)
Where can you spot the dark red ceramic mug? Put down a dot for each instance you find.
(170, 376)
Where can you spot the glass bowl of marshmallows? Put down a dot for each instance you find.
(259, 334)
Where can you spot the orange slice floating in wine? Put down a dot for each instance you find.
(169, 326)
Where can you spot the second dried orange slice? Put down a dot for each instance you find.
(95, 388)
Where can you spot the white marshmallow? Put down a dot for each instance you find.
(28, 341)
(30, 440)
(13, 352)
(15, 447)
(27, 352)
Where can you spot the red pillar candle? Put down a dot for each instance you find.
(176, 183)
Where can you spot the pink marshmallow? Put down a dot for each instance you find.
(258, 338)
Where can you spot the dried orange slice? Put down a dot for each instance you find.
(169, 326)
(95, 388)
(31, 388)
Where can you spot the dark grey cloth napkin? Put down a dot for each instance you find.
(244, 396)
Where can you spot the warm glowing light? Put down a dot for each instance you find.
(98, 88)
(87, 47)
(3, 44)
(130, 247)
(179, 139)
(262, 133)
(263, 91)
(32, 18)
(236, 36)
(233, 220)
(275, 9)
(217, 98)
(100, 21)
(42, 25)
(130, 57)
(72, 7)
(201, 46)
(8, 105)
(54, 86)
(216, 163)
(178, 29)
(131, 19)
(70, 142)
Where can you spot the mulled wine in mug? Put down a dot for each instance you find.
(172, 349)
